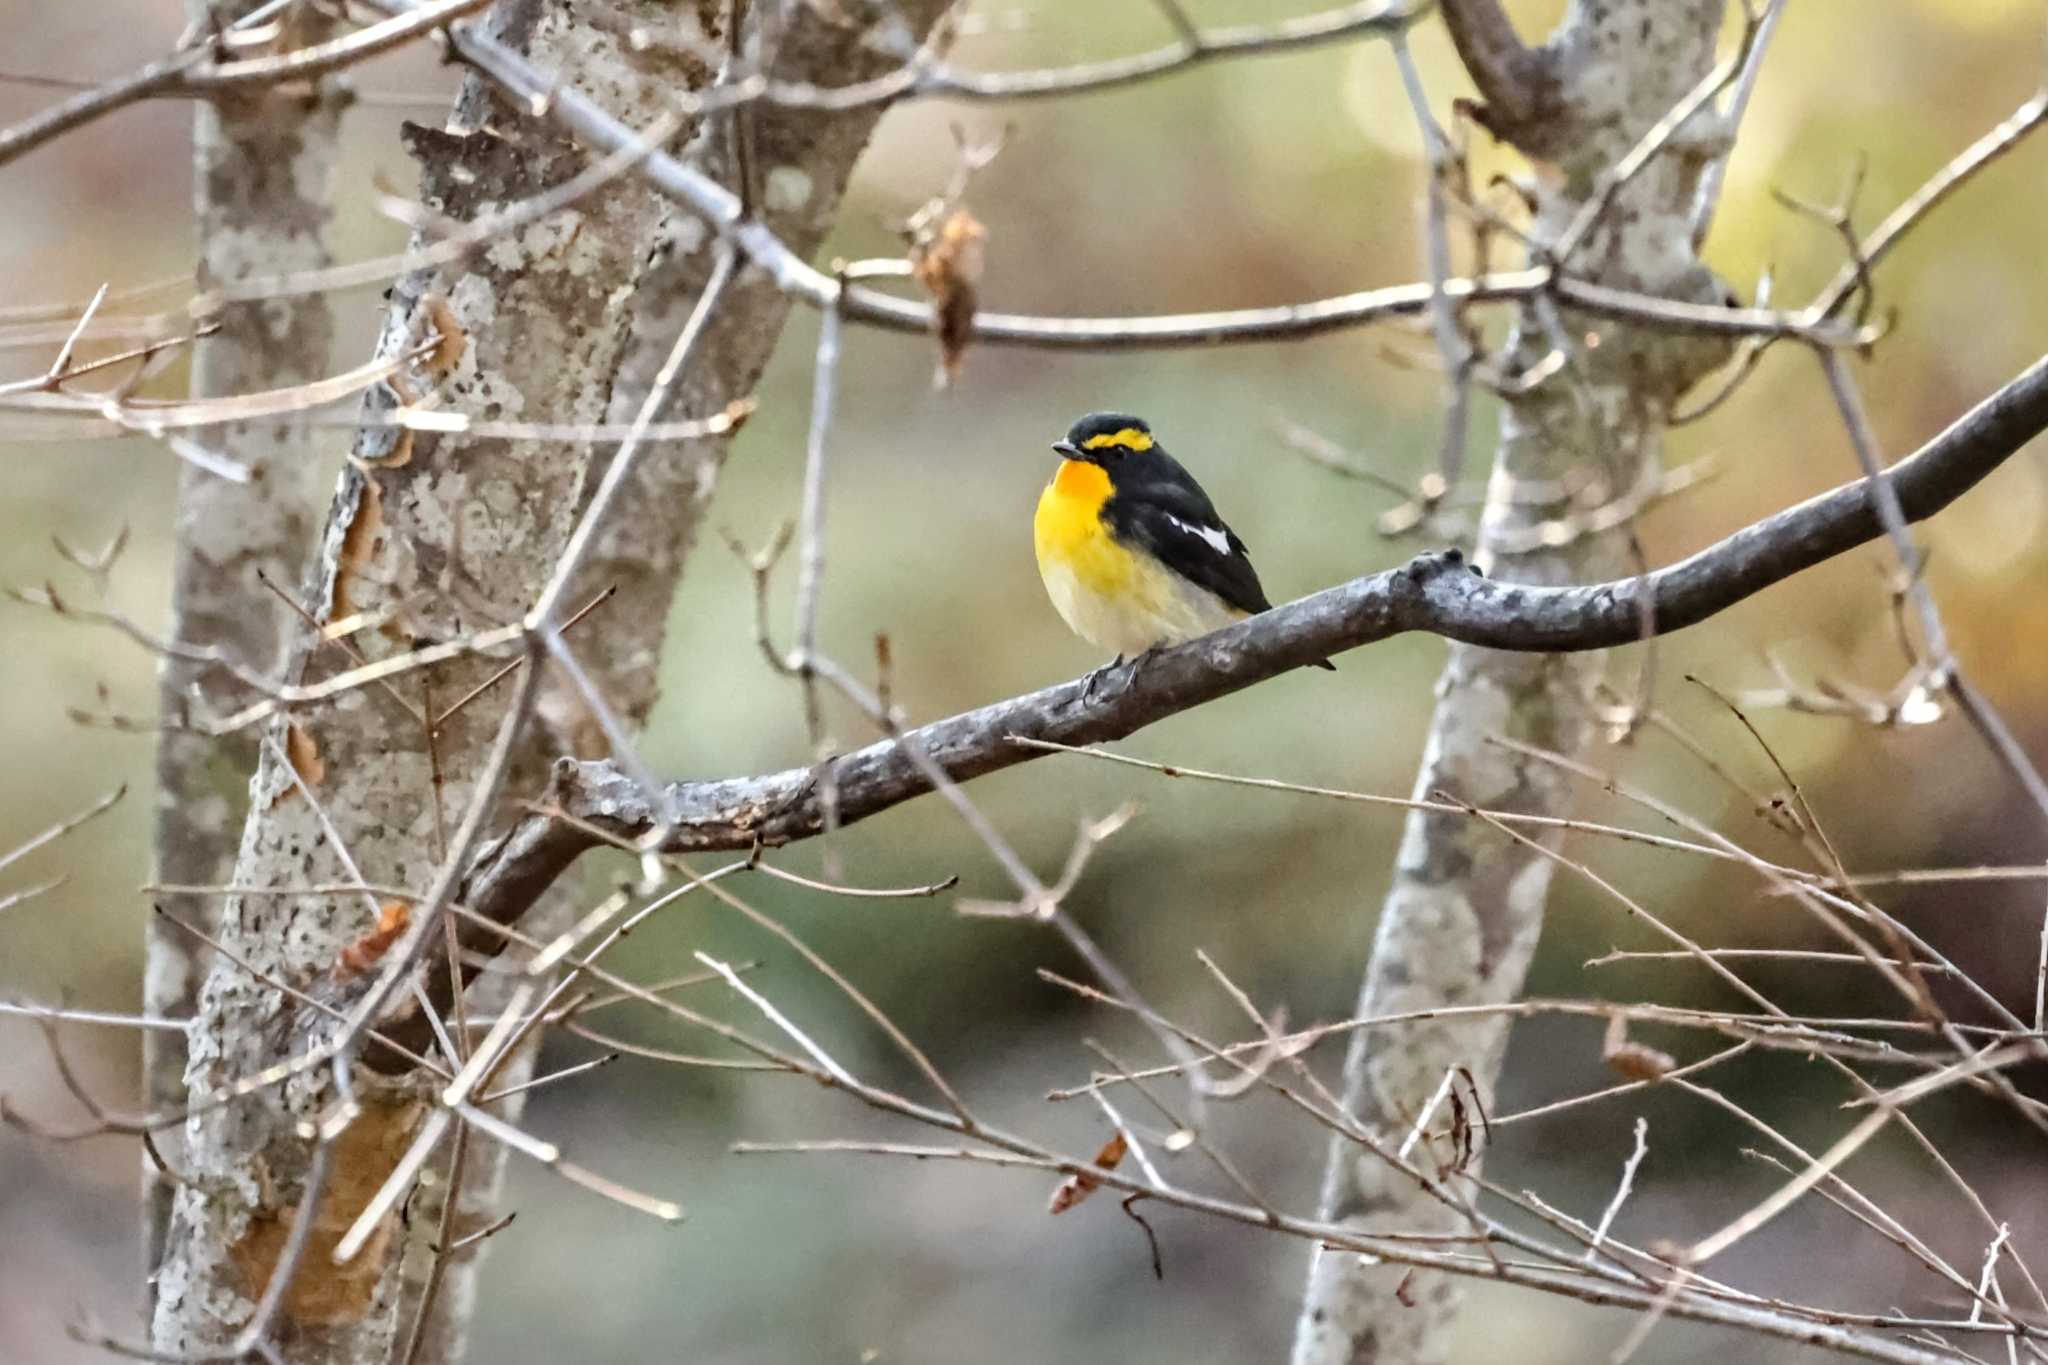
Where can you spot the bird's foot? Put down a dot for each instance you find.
(1129, 668)
(1096, 677)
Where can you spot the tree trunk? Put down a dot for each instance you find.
(263, 171)
(1462, 917)
(442, 534)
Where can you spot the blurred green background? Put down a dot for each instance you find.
(1244, 183)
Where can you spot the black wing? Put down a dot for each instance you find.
(1160, 509)
(1177, 525)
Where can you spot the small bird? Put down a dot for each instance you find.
(1131, 550)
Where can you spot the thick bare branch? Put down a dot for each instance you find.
(1435, 593)
(1515, 79)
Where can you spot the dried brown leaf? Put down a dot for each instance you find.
(948, 259)
(451, 339)
(303, 752)
(1080, 1185)
(358, 546)
(1636, 1061)
(393, 918)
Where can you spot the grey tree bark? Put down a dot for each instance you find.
(433, 535)
(263, 172)
(1461, 919)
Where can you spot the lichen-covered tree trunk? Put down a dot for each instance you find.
(433, 536)
(263, 170)
(1461, 919)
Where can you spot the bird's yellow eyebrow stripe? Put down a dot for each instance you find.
(1130, 438)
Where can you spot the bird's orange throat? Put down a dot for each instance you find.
(1069, 522)
(1087, 484)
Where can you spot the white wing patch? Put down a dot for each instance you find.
(1219, 540)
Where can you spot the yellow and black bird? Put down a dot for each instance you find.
(1130, 547)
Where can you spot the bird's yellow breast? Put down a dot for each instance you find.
(1069, 533)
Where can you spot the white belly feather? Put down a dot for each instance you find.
(1151, 607)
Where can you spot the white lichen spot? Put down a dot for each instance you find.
(587, 255)
(688, 234)
(505, 253)
(556, 236)
(1526, 891)
(209, 813)
(499, 512)
(704, 480)
(787, 189)
(225, 1305)
(166, 975)
(235, 253)
(313, 167)
(475, 300)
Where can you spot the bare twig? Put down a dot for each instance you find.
(1621, 1191)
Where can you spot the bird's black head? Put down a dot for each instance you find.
(1104, 437)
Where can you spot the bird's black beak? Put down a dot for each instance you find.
(1068, 449)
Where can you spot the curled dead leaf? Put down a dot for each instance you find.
(1080, 1185)
(1636, 1061)
(948, 256)
(358, 545)
(358, 957)
(451, 338)
(1640, 1063)
(302, 751)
